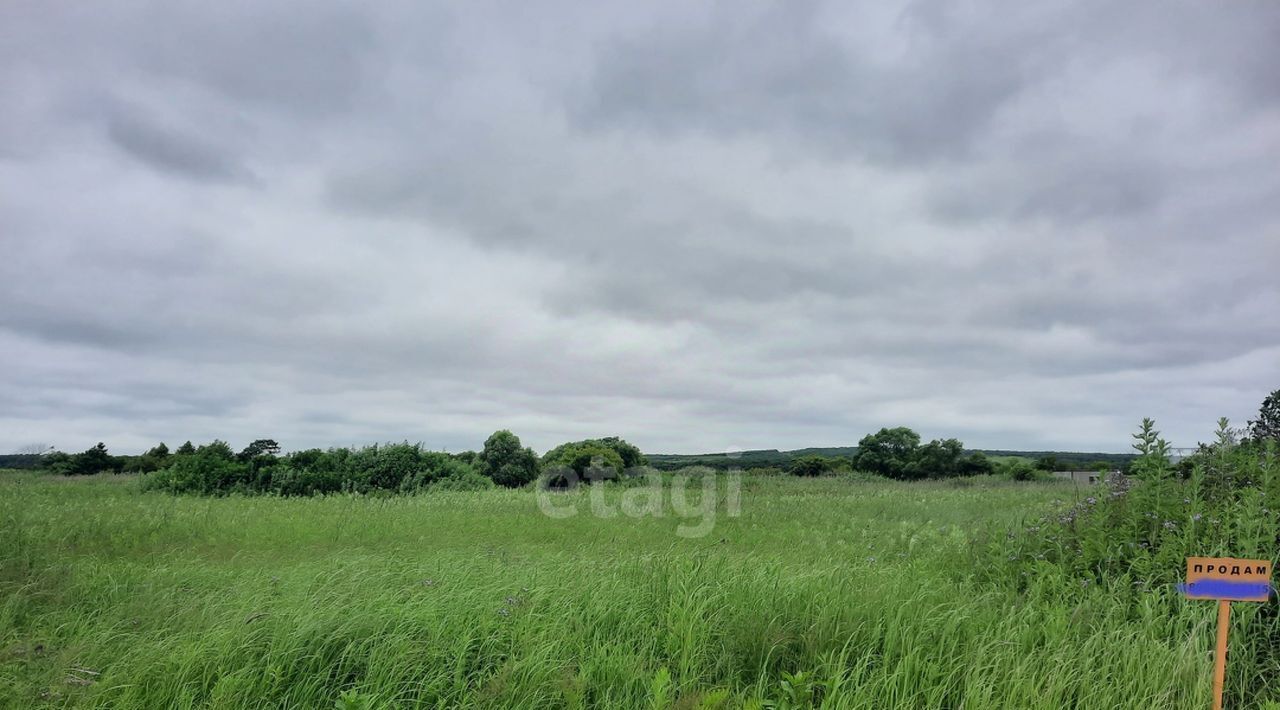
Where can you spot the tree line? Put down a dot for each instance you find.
(895, 453)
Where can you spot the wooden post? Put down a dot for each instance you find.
(1220, 657)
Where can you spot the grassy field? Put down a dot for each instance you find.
(831, 592)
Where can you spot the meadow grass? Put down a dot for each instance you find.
(824, 592)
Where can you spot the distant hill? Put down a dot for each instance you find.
(19, 461)
(764, 458)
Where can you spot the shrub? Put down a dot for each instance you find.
(810, 466)
(93, 460)
(310, 472)
(976, 464)
(505, 462)
(462, 477)
(210, 469)
(389, 467)
(589, 460)
(1021, 470)
(939, 458)
(1142, 526)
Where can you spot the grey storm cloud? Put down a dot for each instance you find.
(701, 226)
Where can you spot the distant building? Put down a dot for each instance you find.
(1083, 477)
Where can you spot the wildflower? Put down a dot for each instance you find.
(1196, 517)
(504, 612)
(1091, 500)
(1169, 525)
(872, 560)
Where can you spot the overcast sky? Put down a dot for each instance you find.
(700, 226)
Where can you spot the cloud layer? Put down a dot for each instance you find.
(699, 226)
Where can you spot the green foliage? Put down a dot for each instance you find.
(1021, 470)
(460, 476)
(811, 466)
(1132, 536)
(592, 459)
(939, 458)
(154, 460)
(213, 469)
(976, 464)
(897, 453)
(259, 448)
(772, 458)
(506, 462)
(93, 460)
(888, 453)
(210, 469)
(1267, 426)
(1047, 463)
(629, 453)
(311, 472)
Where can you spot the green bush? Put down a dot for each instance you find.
(1145, 524)
(506, 462)
(211, 469)
(811, 466)
(390, 468)
(1021, 470)
(590, 460)
(462, 477)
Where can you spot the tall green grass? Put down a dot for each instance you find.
(824, 592)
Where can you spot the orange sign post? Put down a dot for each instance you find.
(1226, 579)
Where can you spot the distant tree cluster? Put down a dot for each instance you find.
(215, 468)
(591, 460)
(897, 453)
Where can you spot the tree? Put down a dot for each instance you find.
(186, 449)
(259, 447)
(888, 452)
(1267, 425)
(506, 462)
(57, 462)
(154, 460)
(93, 460)
(601, 458)
(939, 458)
(976, 464)
(628, 452)
(1047, 463)
(590, 459)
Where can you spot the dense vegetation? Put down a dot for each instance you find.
(783, 460)
(388, 468)
(215, 468)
